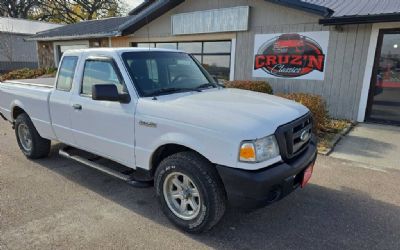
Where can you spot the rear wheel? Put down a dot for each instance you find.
(190, 192)
(29, 141)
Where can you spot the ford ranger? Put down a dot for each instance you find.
(158, 118)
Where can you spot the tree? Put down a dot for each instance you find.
(72, 11)
(17, 8)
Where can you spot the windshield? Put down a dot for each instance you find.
(157, 73)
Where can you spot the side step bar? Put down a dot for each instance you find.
(125, 177)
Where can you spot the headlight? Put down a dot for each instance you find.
(259, 150)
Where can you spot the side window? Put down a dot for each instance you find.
(100, 72)
(66, 73)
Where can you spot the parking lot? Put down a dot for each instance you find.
(55, 203)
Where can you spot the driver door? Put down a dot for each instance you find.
(105, 128)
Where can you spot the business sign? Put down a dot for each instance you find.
(291, 55)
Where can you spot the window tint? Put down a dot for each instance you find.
(66, 73)
(100, 72)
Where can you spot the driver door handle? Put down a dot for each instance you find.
(77, 106)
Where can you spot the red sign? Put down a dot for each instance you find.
(290, 55)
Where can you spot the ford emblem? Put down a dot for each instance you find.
(305, 135)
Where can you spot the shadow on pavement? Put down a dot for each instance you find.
(363, 147)
(314, 218)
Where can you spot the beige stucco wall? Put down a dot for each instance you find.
(126, 41)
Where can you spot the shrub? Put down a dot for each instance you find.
(258, 86)
(315, 104)
(27, 73)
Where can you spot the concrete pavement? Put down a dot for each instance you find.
(55, 203)
(371, 144)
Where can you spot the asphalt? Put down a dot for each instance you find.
(55, 203)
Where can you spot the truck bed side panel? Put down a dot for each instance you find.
(34, 100)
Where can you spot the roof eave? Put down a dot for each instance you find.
(307, 7)
(146, 17)
(393, 17)
(74, 37)
(141, 7)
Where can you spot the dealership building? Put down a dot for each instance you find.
(346, 51)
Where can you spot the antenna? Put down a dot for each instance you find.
(148, 31)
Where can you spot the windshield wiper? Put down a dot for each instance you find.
(206, 85)
(165, 91)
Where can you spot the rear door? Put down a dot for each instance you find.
(60, 108)
(105, 128)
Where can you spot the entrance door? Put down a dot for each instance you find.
(384, 96)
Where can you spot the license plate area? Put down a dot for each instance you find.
(307, 175)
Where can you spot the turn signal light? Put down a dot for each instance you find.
(247, 152)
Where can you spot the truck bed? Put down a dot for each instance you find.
(32, 95)
(44, 82)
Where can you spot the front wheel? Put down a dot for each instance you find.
(190, 192)
(29, 141)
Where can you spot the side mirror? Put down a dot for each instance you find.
(108, 92)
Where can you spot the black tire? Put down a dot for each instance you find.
(40, 147)
(208, 182)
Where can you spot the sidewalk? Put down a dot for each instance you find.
(377, 145)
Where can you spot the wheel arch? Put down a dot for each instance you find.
(168, 149)
(16, 111)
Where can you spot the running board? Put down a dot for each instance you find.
(125, 177)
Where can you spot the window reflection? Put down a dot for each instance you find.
(217, 47)
(191, 47)
(218, 66)
(166, 45)
(215, 56)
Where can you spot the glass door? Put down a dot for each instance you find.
(384, 96)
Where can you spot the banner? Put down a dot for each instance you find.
(291, 55)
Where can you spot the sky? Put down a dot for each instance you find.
(133, 3)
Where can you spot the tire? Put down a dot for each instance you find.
(38, 147)
(203, 177)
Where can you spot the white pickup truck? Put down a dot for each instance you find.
(162, 119)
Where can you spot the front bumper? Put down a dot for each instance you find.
(254, 189)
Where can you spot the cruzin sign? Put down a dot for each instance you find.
(291, 56)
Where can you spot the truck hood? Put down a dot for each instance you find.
(232, 112)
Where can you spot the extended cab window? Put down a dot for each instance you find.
(66, 74)
(100, 72)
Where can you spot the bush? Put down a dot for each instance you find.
(27, 73)
(258, 86)
(315, 104)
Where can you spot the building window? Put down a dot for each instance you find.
(215, 56)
